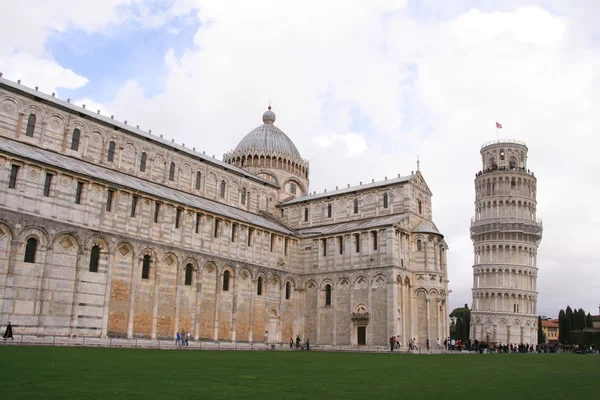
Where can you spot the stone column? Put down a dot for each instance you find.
(404, 314)
(217, 304)
(354, 331)
(392, 306)
(177, 301)
(107, 292)
(427, 301)
(334, 305)
(120, 148)
(155, 306)
(198, 305)
(64, 141)
(41, 290)
(19, 123)
(234, 309)
(370, 338)
(251, 327)
(75, 302)
(132, 296)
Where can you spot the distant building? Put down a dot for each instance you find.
(550, 329)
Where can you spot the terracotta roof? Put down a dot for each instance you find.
(549, 324)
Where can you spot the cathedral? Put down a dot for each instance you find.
(110, 231)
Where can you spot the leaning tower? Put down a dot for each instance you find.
(505, 233)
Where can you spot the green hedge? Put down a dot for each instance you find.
(586, 337)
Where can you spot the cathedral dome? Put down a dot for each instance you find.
(268, 138)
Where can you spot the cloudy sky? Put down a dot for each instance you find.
(362, 88)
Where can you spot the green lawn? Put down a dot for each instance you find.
(91, 373)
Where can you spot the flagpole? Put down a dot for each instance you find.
(497, 137)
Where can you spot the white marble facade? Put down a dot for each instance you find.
(506, 233)
(107, 230)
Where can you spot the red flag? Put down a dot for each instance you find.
(498, 125)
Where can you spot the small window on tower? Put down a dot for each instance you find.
(292, 188)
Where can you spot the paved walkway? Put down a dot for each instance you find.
(31, 340)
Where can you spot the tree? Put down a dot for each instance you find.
(588, 321)
(462, 315)
(541, 335)
(570, 324)
(579, 320)
(562, 327)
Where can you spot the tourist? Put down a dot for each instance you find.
(308, 344)
(439, 344)
(291, 343)
(8, 333)
(187, 338)
(297, 342)
(177, 339)
(392, 343)
(427, 344)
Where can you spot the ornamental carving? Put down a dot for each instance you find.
(97, 190)
(65, 181)
(8, 108)
(33, 173)
(363, 316)
(55, 123)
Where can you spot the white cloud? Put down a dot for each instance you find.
(431, 87)
(46, 74)
(351, 144)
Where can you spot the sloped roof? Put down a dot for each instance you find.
(426, 227)
(136, 184)
(16, 87)
(349, 226)
(549, 324)
(350, 189)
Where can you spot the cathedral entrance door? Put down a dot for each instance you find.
(273, 327)
(362, 335)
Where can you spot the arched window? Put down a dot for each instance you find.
(222, 191)
(75, 140)
(143, 158)
(419, 245)
(328, 295)
(305, 214)
(188, 274)
(259, 286)
(172, 172)
(30, 125)
(355, 206)
(198, 177)
(94, 259)
(513, 183)
(288, 290)
(146, 267)
(501, 155)
(226, 275)
(30, 250)
(243, 196)
(385, 200)
(329, 210)
(111, 152)
(420, 206)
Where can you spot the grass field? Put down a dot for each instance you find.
(93, 373)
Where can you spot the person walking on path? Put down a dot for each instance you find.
(9, 333)
(177, 339)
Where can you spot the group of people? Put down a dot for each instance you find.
(183, 338)
(305, 346)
